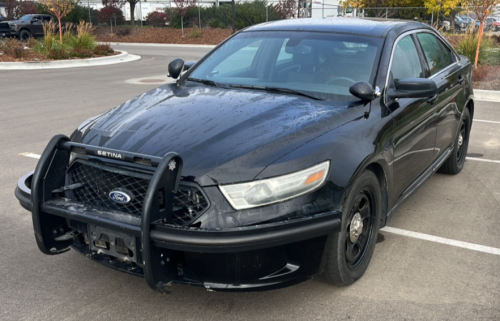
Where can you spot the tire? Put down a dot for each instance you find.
(348, 254)
(455, 162)
(24, 35)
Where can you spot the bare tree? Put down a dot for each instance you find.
(60, 8)
(183, 7)
(286, 8)
(482, 8)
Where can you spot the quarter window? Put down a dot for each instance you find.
(438, 56)
(405, 60)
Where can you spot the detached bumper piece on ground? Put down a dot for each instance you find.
(68, 214)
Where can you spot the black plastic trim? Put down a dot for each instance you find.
(245, 239)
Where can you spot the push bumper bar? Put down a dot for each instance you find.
(51, 214)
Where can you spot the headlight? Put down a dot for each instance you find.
(277, 189)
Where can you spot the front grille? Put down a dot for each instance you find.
(99, 180)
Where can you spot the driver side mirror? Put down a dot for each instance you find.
(177, 66)
(364, 91)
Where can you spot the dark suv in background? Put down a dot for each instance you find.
(30, 25)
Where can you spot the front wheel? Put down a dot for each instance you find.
(24, 35)
(455, 162)
(350, 250)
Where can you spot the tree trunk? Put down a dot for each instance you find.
(60, 29)
(234, 16)
(480, 36)
(182, 25)
(132, 13)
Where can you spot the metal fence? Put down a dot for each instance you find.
(273, 10)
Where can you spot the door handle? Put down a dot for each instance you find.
(460, 80)
(432, 99)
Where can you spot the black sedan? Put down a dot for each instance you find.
(276, 157)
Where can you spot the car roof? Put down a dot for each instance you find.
(354, 26)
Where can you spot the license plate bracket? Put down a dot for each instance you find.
(119, 245)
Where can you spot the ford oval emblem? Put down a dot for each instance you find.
(121, 196)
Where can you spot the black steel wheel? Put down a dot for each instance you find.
(455, 162)
(350, 250)
(24, 35)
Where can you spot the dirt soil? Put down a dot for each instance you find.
(31, 56)
(205, 36)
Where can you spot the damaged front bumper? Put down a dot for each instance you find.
(255, 257)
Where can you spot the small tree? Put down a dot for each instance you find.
(10, 9)
(286, 8)
(60, 8)
(156, 19)
(26, 7)
(183, 7)
(121, 3)
(482, 8)
(444, 6)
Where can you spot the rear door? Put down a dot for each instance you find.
(449, 75)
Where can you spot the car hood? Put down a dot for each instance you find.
(223, 135)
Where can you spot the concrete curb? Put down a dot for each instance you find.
(157, 45)
(72, 63)
(491, 95)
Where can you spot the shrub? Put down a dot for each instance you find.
(214, 23)
(80, 53)
(84, 38)
(468, 45)
(13, 47)
(123, 31)
(31, 42)
(103, 50)
(156, 19)
(58, 53)
(247, 14)
(195, 33)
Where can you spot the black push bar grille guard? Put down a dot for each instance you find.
(50, 175)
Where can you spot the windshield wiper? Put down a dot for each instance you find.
(204, 81)
(279, 90)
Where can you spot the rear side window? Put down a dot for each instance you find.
(438, 56)
(405, 60)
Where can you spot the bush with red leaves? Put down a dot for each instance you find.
(109, 13)
(156, 19)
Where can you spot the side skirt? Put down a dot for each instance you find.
(419, 182)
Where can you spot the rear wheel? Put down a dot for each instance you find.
(455, 162)
(350, 250)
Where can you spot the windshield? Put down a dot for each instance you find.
(26, 17)
(315, 62)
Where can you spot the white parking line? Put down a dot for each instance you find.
(483, 160)
(487, 121)
(442, 240)
(31, 155)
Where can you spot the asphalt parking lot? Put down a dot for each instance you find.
(447, 269)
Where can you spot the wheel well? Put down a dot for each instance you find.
(470, 107)
(382, 181)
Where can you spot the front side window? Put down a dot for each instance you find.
(438, 56)
(405, 61)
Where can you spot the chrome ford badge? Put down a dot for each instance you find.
(121, 196)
